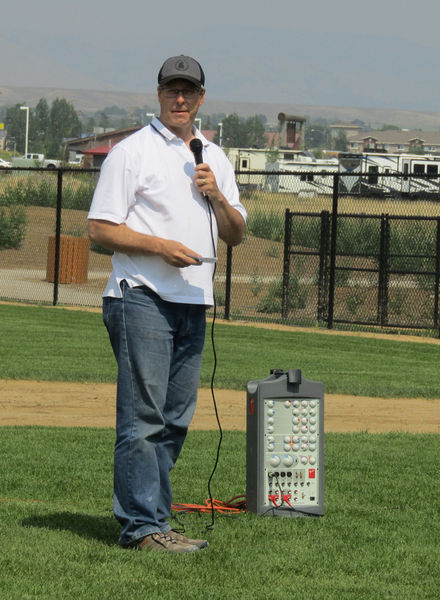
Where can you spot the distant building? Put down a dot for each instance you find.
(100, 142)
(94, 148)
(394, 141)
(349, 129)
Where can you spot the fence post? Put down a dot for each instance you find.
(323, 267)
(58, 235)
(437, 277)
(334, 230)
(227, 314)
(384, 251)
(286, 263)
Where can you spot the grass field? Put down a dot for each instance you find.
(64, 345)
(257, 200)
(378, 539)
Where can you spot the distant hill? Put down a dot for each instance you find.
(90, 101)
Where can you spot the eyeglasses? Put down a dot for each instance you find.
(187, 93)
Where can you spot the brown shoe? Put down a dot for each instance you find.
(181, 538)
(162, 541)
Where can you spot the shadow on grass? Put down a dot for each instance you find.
(103, 529)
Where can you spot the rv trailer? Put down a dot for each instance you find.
(381, 174)
(254, 167)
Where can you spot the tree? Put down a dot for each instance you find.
(340, 142)
(64, 123)
(254, 130)
(39, 133)
(388, 127)
(16, 126)
(240, 133)
(317, 135)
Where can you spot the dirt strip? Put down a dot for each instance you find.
(92, 405)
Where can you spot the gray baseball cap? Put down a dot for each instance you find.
(181, 67)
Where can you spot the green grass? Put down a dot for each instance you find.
(62, 345)
(377, 540)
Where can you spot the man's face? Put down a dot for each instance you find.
(179, 102)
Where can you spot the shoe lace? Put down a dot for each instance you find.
(164, 539)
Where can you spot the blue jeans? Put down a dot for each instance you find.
(158, 347)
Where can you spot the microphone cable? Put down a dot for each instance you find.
(214, 368)
(196, 147)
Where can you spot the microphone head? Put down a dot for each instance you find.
(196, 145)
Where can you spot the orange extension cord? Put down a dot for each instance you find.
(234, 505)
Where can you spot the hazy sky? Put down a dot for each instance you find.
(380, 53)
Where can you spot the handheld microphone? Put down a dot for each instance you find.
(196, 147)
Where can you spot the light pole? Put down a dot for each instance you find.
(26, 108)
(220, 133)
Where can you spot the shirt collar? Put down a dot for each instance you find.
(158, 126)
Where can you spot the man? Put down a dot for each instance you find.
(151, 208)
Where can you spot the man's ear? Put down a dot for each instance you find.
(202, 97)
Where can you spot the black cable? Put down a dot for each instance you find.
(214, 368)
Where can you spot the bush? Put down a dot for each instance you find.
(12, 226)
(41, 190)
(269, 226)
(272, 302)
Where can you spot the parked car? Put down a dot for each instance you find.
(5, 163)
(35, 160)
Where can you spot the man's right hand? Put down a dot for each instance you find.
(120, 238)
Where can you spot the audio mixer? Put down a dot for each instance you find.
(285, 445)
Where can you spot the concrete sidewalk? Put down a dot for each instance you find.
(31, 286)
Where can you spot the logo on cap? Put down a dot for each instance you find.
(181, 65)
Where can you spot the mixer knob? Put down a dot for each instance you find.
(271, 412)
(271, 446)
(274, 460)
(312, 460)
(288, 460)
(287, 403)
(270, 429)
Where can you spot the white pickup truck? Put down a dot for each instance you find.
(35, 160)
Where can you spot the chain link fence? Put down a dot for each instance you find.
(375, 263)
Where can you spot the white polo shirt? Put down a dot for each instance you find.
(146, 182)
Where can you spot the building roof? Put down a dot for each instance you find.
(99, 150)
(393, 136)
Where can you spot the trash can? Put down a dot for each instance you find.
(74, 259)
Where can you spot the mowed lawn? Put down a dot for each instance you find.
(379, 536)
